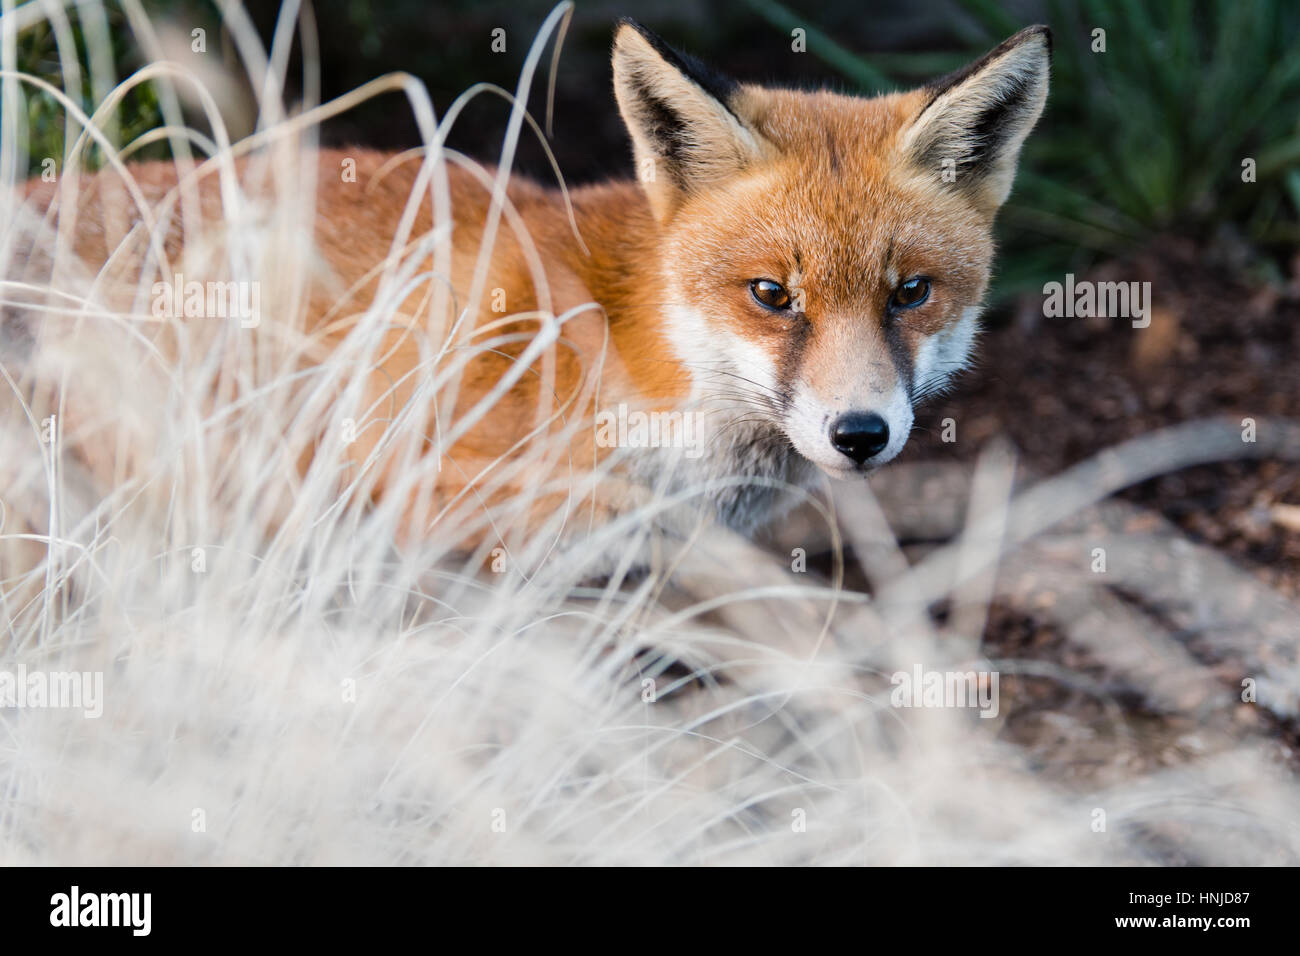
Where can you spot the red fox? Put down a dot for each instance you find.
(787, 275)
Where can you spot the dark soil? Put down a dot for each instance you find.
(1063, 389)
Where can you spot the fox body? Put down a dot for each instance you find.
(794, 270)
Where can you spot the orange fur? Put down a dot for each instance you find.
(824, 193)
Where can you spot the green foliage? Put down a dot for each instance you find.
(1148, 137)
(46, 120)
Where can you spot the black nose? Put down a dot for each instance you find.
(860, 435)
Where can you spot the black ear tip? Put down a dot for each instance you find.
(717, 85)
(635, 25)
(1039, 30)
(658, 43)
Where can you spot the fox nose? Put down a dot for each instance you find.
(860, 435)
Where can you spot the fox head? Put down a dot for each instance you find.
(826, 254)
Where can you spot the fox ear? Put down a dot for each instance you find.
(685, 135)
(972, 124)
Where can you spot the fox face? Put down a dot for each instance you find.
(823, 257)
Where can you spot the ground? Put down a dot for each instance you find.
(1064, 389)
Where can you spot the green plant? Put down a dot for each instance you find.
(1147, 137)
(45, 124)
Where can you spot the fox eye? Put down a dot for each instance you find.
(911, 293)
(770, 294)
